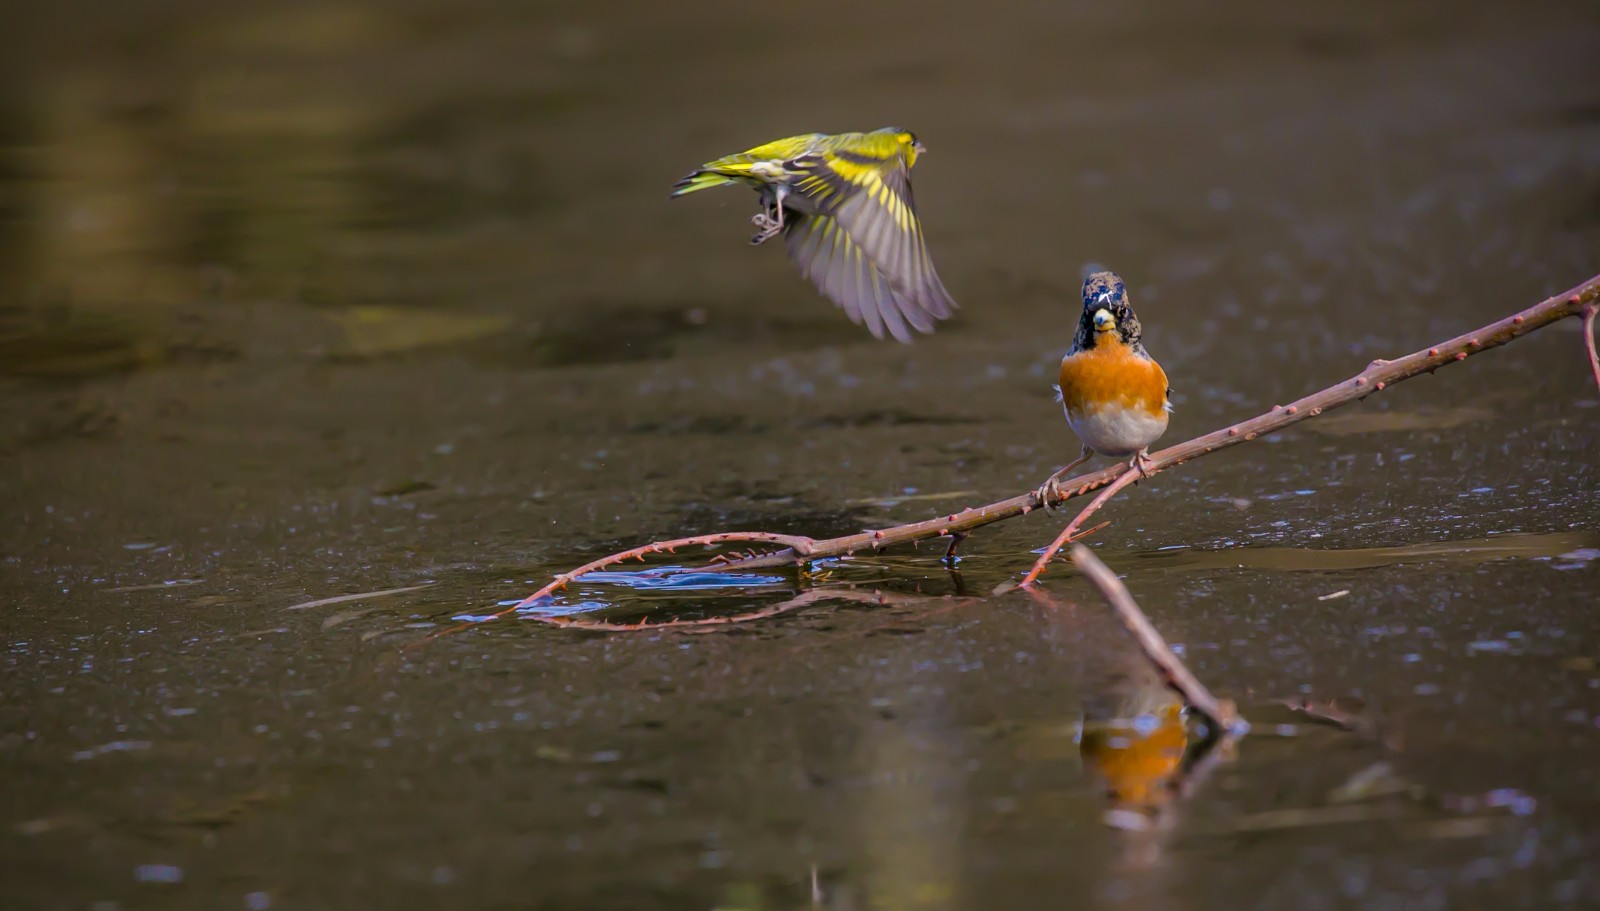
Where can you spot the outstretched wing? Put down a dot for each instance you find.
(863, 246)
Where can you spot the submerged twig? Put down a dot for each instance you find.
(1330, 714)
(1221, 717)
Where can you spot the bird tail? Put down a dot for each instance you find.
(720, 173)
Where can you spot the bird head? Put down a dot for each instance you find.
(908, 141)
(1106, 312)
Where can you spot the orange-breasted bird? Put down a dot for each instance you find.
(1113, 391)
(843, 204)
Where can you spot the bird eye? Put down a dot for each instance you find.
(1103, 320)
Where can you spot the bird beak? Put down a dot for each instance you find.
(919, 148)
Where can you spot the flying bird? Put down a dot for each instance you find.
(844, 207)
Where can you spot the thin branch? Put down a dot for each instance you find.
(1378, 376)
(1155, 648)
(1589, 314)
(1070, 533)
(1583, 299)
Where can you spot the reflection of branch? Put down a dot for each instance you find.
(1172, 671)
(702, 624)
(790, 543)
(801, 600)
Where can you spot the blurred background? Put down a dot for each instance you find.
(304, 300)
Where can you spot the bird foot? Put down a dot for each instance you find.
(1051, 488)
(770, 222)
(1049, 493)
(1141, 463)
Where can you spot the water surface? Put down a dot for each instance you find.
(300, 301)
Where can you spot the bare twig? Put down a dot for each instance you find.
(1589, 314)
(1172, 670)
(1378, 376)
(1070, 533)
(1583, 299)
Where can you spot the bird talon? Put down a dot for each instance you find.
(770, 222)
(1141, 463)
(1048, 494)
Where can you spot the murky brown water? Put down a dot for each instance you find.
(299, 301)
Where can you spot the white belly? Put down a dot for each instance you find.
(1117, 431)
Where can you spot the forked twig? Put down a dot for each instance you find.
(1583, 299)
(1070, 533)
(1378, 376)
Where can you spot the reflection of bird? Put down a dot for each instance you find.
(843, 203)
(1114, 393)
(1132, 734)
(1136, 756)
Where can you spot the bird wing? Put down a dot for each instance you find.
(864, 246)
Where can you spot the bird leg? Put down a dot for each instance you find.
(770, 221)
(1141, 462)
(1051, 489)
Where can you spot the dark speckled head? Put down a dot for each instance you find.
(1106, 309)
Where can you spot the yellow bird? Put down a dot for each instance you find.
(843, 204)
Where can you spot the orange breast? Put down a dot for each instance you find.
(1111, 374)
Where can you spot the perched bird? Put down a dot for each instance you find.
(1114, 393)
(843, 204)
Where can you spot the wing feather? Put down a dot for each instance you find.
(878, 268)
